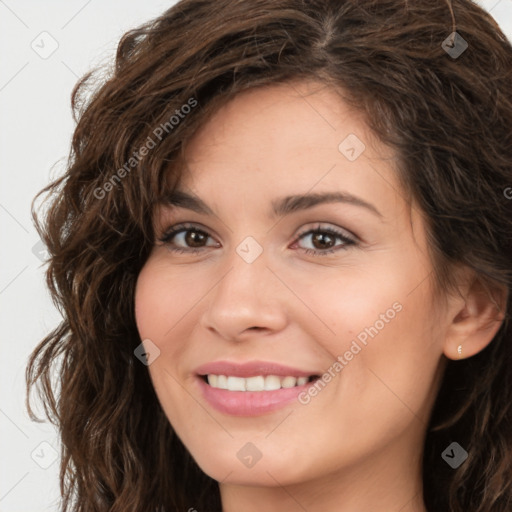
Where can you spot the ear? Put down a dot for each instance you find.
(477, 316)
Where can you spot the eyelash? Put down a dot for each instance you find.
(179, 228)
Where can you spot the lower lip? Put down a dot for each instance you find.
(249, 403)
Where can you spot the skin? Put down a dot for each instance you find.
(357, 445)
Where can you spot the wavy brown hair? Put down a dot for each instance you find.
(450, 122)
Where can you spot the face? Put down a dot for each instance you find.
(294, 268)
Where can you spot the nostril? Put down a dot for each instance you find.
(255, 328)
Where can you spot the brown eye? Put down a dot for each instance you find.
(322, 241)
(187, 239)
(195, 238)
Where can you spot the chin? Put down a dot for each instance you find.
(242, 463)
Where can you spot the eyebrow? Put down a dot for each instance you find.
(280, 207)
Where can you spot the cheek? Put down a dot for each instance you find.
(380, 323)
(162, 299)
(157, 312)
(149, 304)
(398, 352)
(167, 304)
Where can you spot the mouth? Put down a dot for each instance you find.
(256, 383)
(252, 388)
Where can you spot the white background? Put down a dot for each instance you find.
(36, 129)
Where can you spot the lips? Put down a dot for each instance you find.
(251, 388)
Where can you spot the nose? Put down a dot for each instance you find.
(247, 298)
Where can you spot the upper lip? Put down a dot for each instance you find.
(251, 369)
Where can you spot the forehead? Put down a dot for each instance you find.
(299, 115)
(289, 138)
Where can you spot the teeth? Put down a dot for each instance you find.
(236, 384)
(289, 382)
(213, 380)
(272, 382)
(258, 383)
(222, 382)
(255, 383)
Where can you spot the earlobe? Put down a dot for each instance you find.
(477, 319)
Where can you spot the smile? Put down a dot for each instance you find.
(251, 388)
(257, 383)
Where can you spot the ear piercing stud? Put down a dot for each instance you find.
(459, 350)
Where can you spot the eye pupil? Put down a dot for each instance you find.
(323, 239)
(195, 238)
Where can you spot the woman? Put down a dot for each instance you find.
(282, 252)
